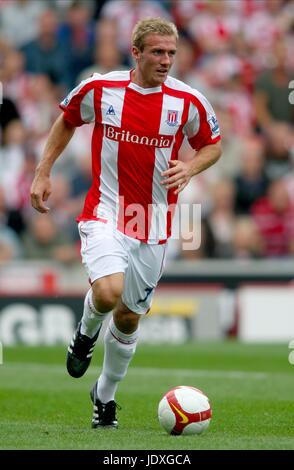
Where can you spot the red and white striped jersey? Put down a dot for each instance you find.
(137, 131)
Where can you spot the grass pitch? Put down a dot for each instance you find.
(250, 388)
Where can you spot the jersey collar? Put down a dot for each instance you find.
(143, 91)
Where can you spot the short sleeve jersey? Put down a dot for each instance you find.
(136, 132)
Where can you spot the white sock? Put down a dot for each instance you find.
(91, 319)
(119, 349)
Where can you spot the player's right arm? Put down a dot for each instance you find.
(59, 136)
(78, 109)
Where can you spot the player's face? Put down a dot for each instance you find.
(155, 61)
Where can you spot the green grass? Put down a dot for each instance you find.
(250, 388)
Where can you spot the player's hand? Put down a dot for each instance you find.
(40, 192)
(177, 176)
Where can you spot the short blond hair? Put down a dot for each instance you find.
(152, 26)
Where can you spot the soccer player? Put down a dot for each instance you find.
(141, 117)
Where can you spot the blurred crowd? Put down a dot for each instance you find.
(238, 53)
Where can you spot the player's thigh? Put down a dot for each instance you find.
(142, 275)
(103, 252)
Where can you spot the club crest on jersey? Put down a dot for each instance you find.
(110, 111)
(172, 117)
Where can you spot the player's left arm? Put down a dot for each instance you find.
(180, 173)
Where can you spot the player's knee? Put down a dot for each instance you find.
(105, 296)
(106, 301)
(126, 322)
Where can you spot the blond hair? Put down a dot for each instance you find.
(152, 26)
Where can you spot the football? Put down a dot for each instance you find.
(184, 410)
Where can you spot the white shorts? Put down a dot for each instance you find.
(107, 251)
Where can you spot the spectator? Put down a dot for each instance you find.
(13, 75)
(44, 241)
(10, 248)
(251, 182)
(214, 27)
(274, 217)
(261, 29)
(221, 219)
(19, 20)
(122, 15)
(279, 145)
(12, 160)
(272, 91)
(11, 218)
(107, 57)
(8, 113)
(76, 34)
(63, 207)
(47, 54)
(206, 247)
(247, 241)
(39, 106)
(11, 226)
